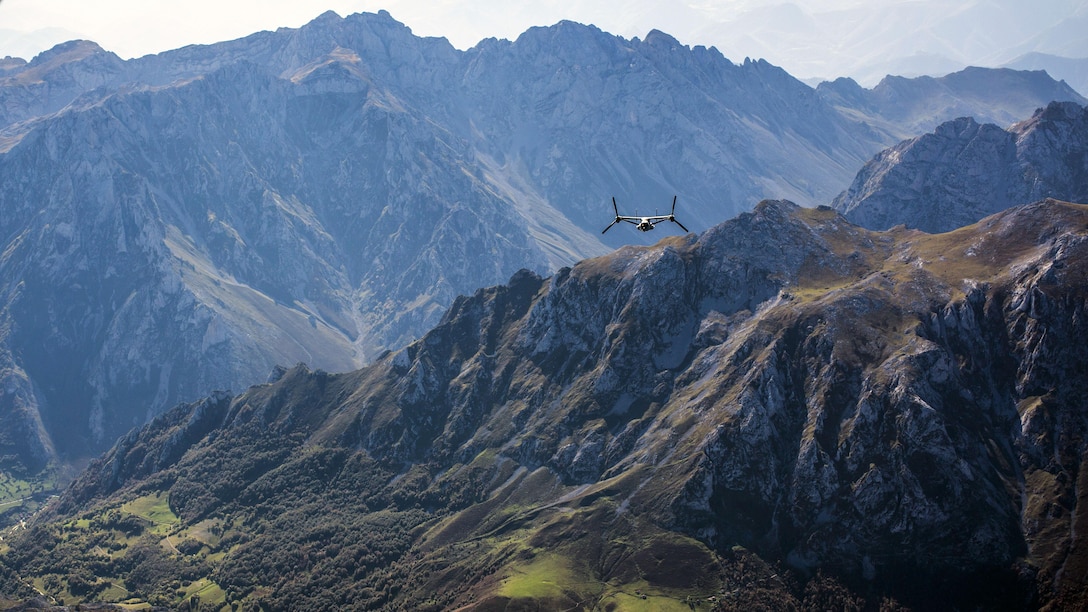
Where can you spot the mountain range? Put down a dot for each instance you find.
(784, 411)
(964, 171)
(184, 222)
(813, 40)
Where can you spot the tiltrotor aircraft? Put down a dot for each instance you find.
(645, 224)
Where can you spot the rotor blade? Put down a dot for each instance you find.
(681, 225)
(674, 205)
(614, 207)
(609, 226)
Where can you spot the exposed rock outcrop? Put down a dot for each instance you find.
(965, 171)
(901, 410)
(184, 222)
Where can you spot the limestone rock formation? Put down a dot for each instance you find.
(184, 222)
(900, 411)
(964, 171)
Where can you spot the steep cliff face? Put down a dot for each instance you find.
(184, 222)
(965, 171)
(55, 79)
(897, 410)
(265, 221)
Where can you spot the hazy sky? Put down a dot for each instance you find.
(807, 37)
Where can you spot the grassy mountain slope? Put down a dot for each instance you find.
(787, 410)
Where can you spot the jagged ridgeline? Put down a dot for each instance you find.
(965, 171)
(183, 222)
(785, 410)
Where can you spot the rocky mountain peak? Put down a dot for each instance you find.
(656, 39)
(1054, 147)
(78, 63)
(332, 18)
(184, 222)
(893, 410)
(72, 50)
(964, 170)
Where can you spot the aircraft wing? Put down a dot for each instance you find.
(632, 220)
